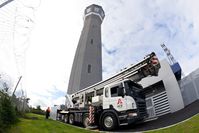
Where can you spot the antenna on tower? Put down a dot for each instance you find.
(168, 53)
(174, 64)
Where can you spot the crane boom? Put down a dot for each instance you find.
(148, 66)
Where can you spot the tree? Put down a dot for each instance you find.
(37, 110)
(38, 107)
(7, 111)
(5, 83)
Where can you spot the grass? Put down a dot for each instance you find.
(34, 123)
(189, 126)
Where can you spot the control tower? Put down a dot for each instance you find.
(87, 64)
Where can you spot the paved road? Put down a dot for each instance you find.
(166, 120)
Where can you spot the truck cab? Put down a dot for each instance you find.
(126, 100)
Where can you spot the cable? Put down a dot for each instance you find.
(5, 3)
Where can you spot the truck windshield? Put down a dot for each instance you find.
(134, 89)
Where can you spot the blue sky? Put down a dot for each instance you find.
(131, 29)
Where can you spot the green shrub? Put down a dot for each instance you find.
(7, 112)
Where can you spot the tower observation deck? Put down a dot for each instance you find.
(87, 64)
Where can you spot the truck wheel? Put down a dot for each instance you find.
(86, 121)
(58, 117)
(109, 121)
(71, 119)
(62, 117)
(66, 118)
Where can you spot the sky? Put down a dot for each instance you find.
(131, 29)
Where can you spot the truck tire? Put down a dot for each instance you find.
(58, 117)
(109, 121)
(62, 118)
(71, 119)
(66, 118)
(86, 121)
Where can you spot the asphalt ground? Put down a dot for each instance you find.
(164, 121)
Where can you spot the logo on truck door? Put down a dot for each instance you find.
(119, 103)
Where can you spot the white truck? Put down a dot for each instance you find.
(118, 100)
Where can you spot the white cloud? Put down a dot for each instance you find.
(139, 27)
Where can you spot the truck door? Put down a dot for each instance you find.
(114, 96)
(106, 98)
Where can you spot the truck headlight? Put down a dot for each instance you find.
(132, 114)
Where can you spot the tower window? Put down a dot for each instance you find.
(89, 68)
(88, 10)
(91, 41)
(96, 9)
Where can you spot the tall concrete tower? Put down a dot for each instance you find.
(87, 64)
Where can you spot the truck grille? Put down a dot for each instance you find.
(141, 106)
